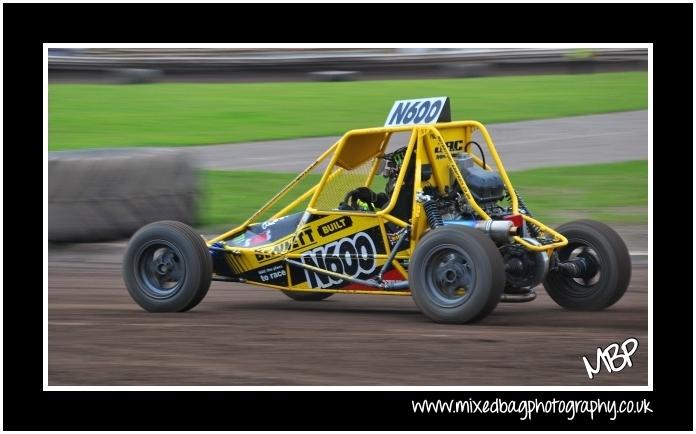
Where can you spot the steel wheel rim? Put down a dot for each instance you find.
(450, 277)
(160, 269)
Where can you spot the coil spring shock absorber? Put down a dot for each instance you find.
(431, 211)
(533, 230)
(520, 202)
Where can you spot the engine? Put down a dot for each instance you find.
(485, 186)
(524, 269)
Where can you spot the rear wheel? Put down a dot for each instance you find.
(456, 275)
(167, 267)
(307, 296)
(603, 267)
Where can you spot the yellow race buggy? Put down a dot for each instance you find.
(431, 219)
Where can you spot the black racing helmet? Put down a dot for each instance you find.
(393, 160)
(392, 166)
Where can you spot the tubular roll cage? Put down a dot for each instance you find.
(429, 137)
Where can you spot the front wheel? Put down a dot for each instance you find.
(601, 265)
(456, 275)
(167, 267)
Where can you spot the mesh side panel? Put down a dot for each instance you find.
(295, 192)
(341, 183)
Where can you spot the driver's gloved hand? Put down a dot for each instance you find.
(363, 198)
(366, 195)
(382, 200)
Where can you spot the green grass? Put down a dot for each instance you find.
(96, 116)
(232, 197)
(614, 193)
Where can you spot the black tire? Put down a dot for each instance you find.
(307, 296)
(451, 256)
(108, 194)
(167, 267)
(610, 257)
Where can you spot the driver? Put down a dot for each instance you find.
(364, 199)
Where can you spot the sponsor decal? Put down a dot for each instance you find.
(267, 224)
(392, 276)
(353, 255)
(453, 146)
(298, 240)
(257, 239)
(272, 274)
(419, 111)
(335, 225)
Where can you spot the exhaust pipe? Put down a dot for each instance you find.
(500, 231)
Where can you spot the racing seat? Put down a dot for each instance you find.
(404, 203)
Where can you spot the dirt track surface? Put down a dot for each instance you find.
(244, 335)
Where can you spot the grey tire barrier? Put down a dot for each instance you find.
(109, 194)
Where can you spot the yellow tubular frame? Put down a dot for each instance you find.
(560, 239)
(302, 198)
(400, 179)
(375, 165)
(278, 196)
(419, 136)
